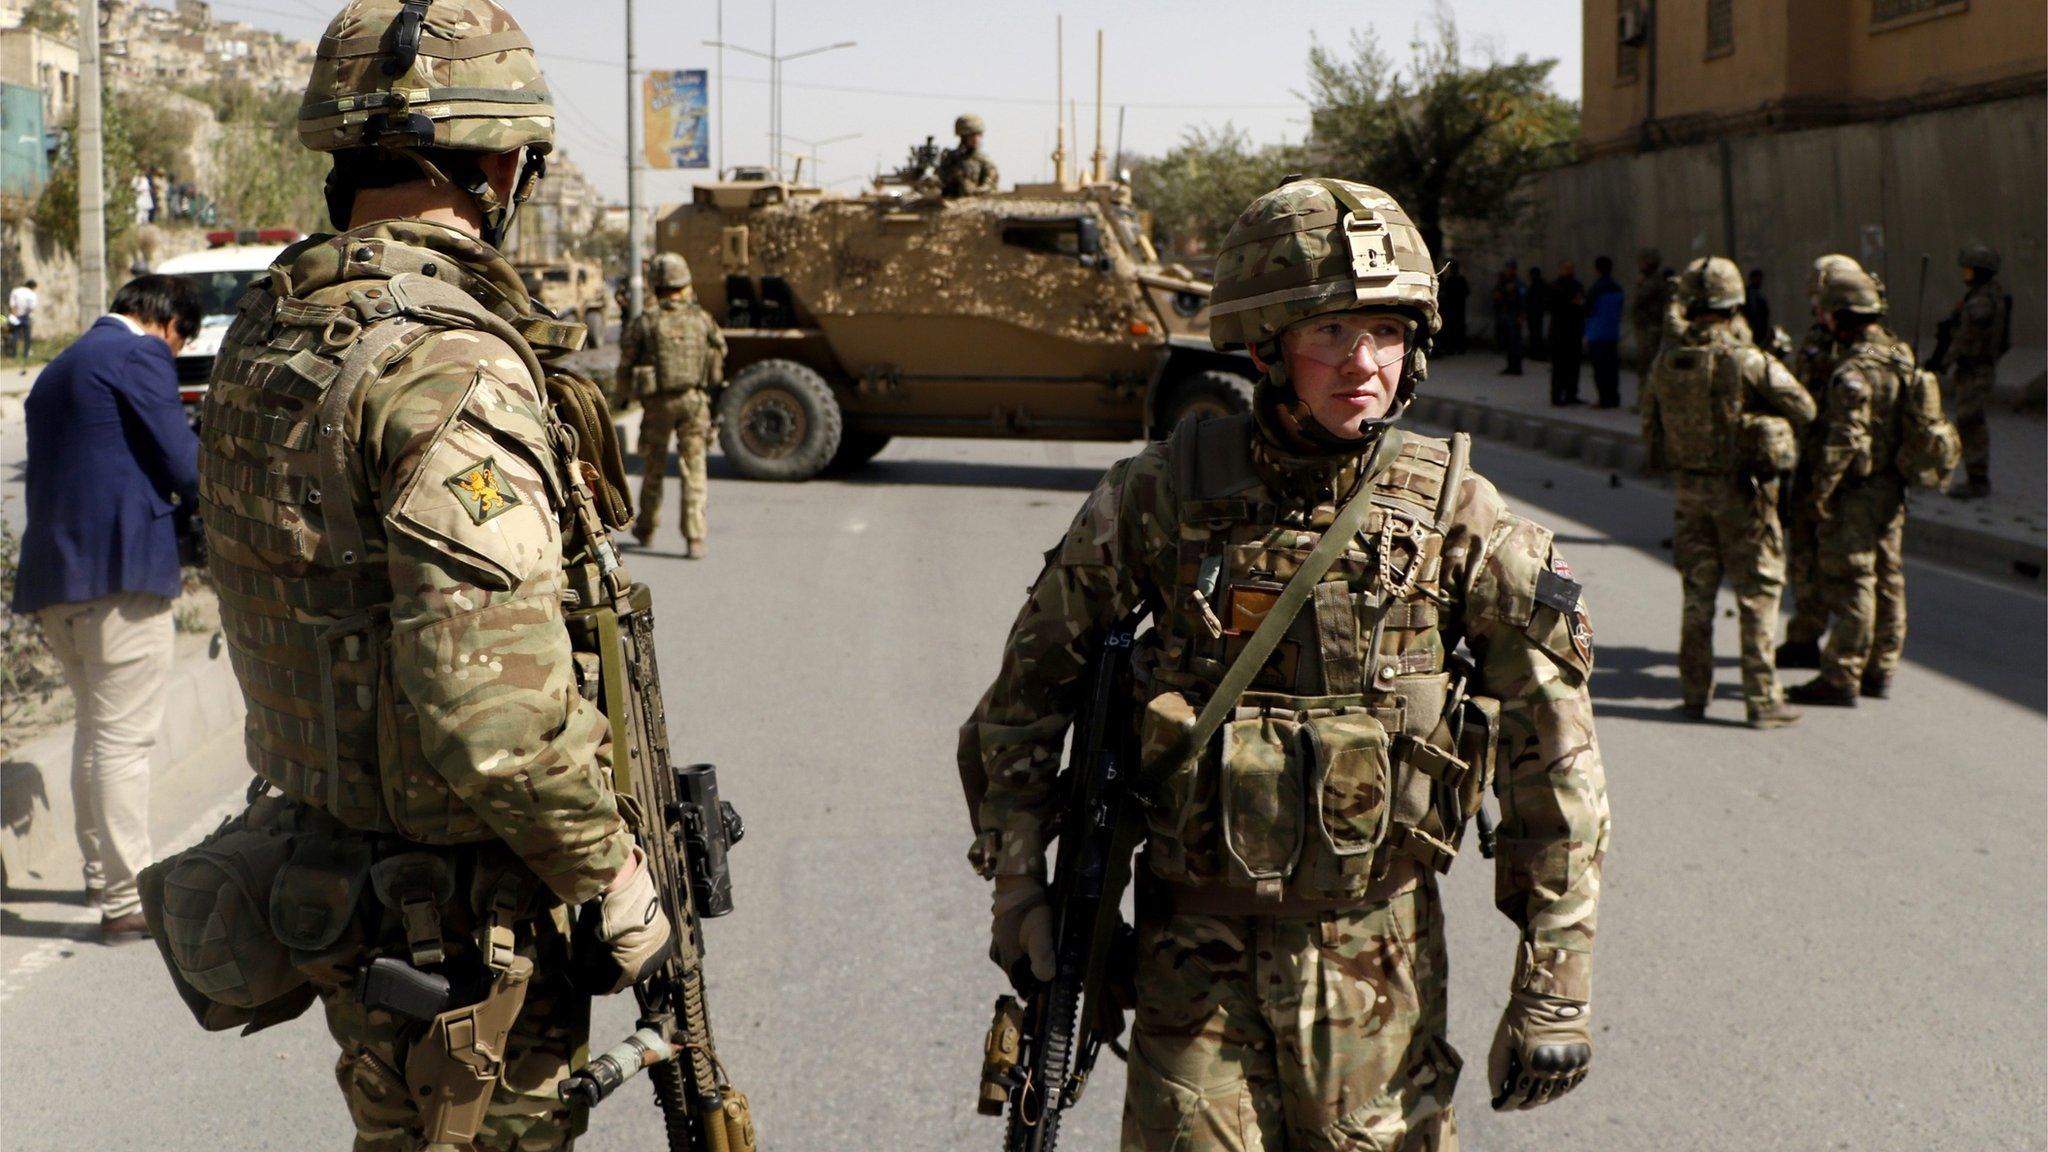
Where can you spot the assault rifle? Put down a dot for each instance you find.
(1039, 1053)
(684, 829)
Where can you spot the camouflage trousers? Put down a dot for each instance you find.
(684, 417)
(525, 1114)
(1727, 528)
(1969, 397)
(1863, 580)
(1310, 1034)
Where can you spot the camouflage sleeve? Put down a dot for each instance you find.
(1977, 336)
(715, 362)
(1526, 623)
(1779, 390)
(460, 456)
(1098, 573)
(1844, 434)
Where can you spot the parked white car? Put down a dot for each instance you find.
(221, 273)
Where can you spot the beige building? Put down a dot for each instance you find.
(46, 63)
(1775, 131)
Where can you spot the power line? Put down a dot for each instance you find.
(967, 97)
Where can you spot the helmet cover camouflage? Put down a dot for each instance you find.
(454, 74)
(968, 125)
(1313, 246)
(671, 271)
(1979, 256)
(1712, 282)
(1848, 288)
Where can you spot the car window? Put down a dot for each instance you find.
(1052, 237)
(218, 291)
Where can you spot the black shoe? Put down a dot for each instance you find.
(1877, 685)
(123, 929)
(1970, 490)
(1778, 715)
(1819, 691)
(1799, 654)
(1693, 712)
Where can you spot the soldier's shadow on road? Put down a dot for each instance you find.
(1628, 682)
(13, 923)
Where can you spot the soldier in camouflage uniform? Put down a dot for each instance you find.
(1980, 332)
(673, 357)
(1646, 310)
(386, 500)
(1709, 403)
(965, 171)
(1859, 497)
(1291, 960)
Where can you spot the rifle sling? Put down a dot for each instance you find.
(1280, 617)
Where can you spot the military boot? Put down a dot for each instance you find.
(1877, 685)
(1820, 691)
(1975, 488)
(1776, 714)
(1799, 654)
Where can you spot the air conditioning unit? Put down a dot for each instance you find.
(1632, 25)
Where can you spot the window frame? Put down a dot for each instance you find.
(1725, 10)
(1924, 11)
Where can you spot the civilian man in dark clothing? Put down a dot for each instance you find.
(1452, 292)
(1507, 317)
(1567, 334)
(110, 458)
(1535, 306)
(1757, 310)
(1604, 307)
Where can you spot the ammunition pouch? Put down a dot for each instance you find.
(207, 909)
(1768, 443)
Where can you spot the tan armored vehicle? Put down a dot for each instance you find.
(574, 289)
(1037, 313)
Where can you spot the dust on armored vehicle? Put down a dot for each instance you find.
(573, 289)
(1041, 312)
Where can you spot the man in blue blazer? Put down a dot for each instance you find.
(110, 460)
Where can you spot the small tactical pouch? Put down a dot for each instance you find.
(644, 382)
(313, 904)
(454, 1067)
(1260, 787)
(206, 910)
(417, 886)
(1768, 443)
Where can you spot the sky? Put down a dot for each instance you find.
(1171, 65)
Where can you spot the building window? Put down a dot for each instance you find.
(1630, 32)
(1886, 15)
(1721, 27)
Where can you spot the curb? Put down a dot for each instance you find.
(1991, 553)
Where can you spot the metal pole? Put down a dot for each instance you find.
(635, 281)
(721, 90)
(92, 187)
(1059, 104)
(1095, 160)
(774, 90)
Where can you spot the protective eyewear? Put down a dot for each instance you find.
(1334, 339)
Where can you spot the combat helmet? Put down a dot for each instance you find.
(968, 124)
(670, 271)
(1982, 257)
(1848, 288)
(1712, 282)
(412, 75)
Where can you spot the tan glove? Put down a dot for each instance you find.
(1540, 1051)
(1021, 939)
(631, 927)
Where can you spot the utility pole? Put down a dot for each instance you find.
(1096, 158)
(720, 174)
(92, 182)
(775, 58)
(635, 281)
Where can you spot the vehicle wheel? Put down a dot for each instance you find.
(594, 320)
(780, 421)
(857, 448)
(1206, 394)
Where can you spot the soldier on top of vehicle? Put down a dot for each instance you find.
(964, 170)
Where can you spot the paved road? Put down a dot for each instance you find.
(1828, 937)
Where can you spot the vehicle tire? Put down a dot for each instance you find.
(594, 320)
(857, 448)
(1211, 393)
(779, 421)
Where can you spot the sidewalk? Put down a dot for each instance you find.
(2005, 534)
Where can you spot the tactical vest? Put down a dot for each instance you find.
(676, 341)
(297, 545)
(1985, 343)
(1699, 404)
(1885, 366)
(1350, 752)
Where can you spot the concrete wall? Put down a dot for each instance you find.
(1883, 192)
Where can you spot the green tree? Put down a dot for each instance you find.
(56, 211)
(1197, 189)
(1448, 139)
(263, 176)
(51, 17)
